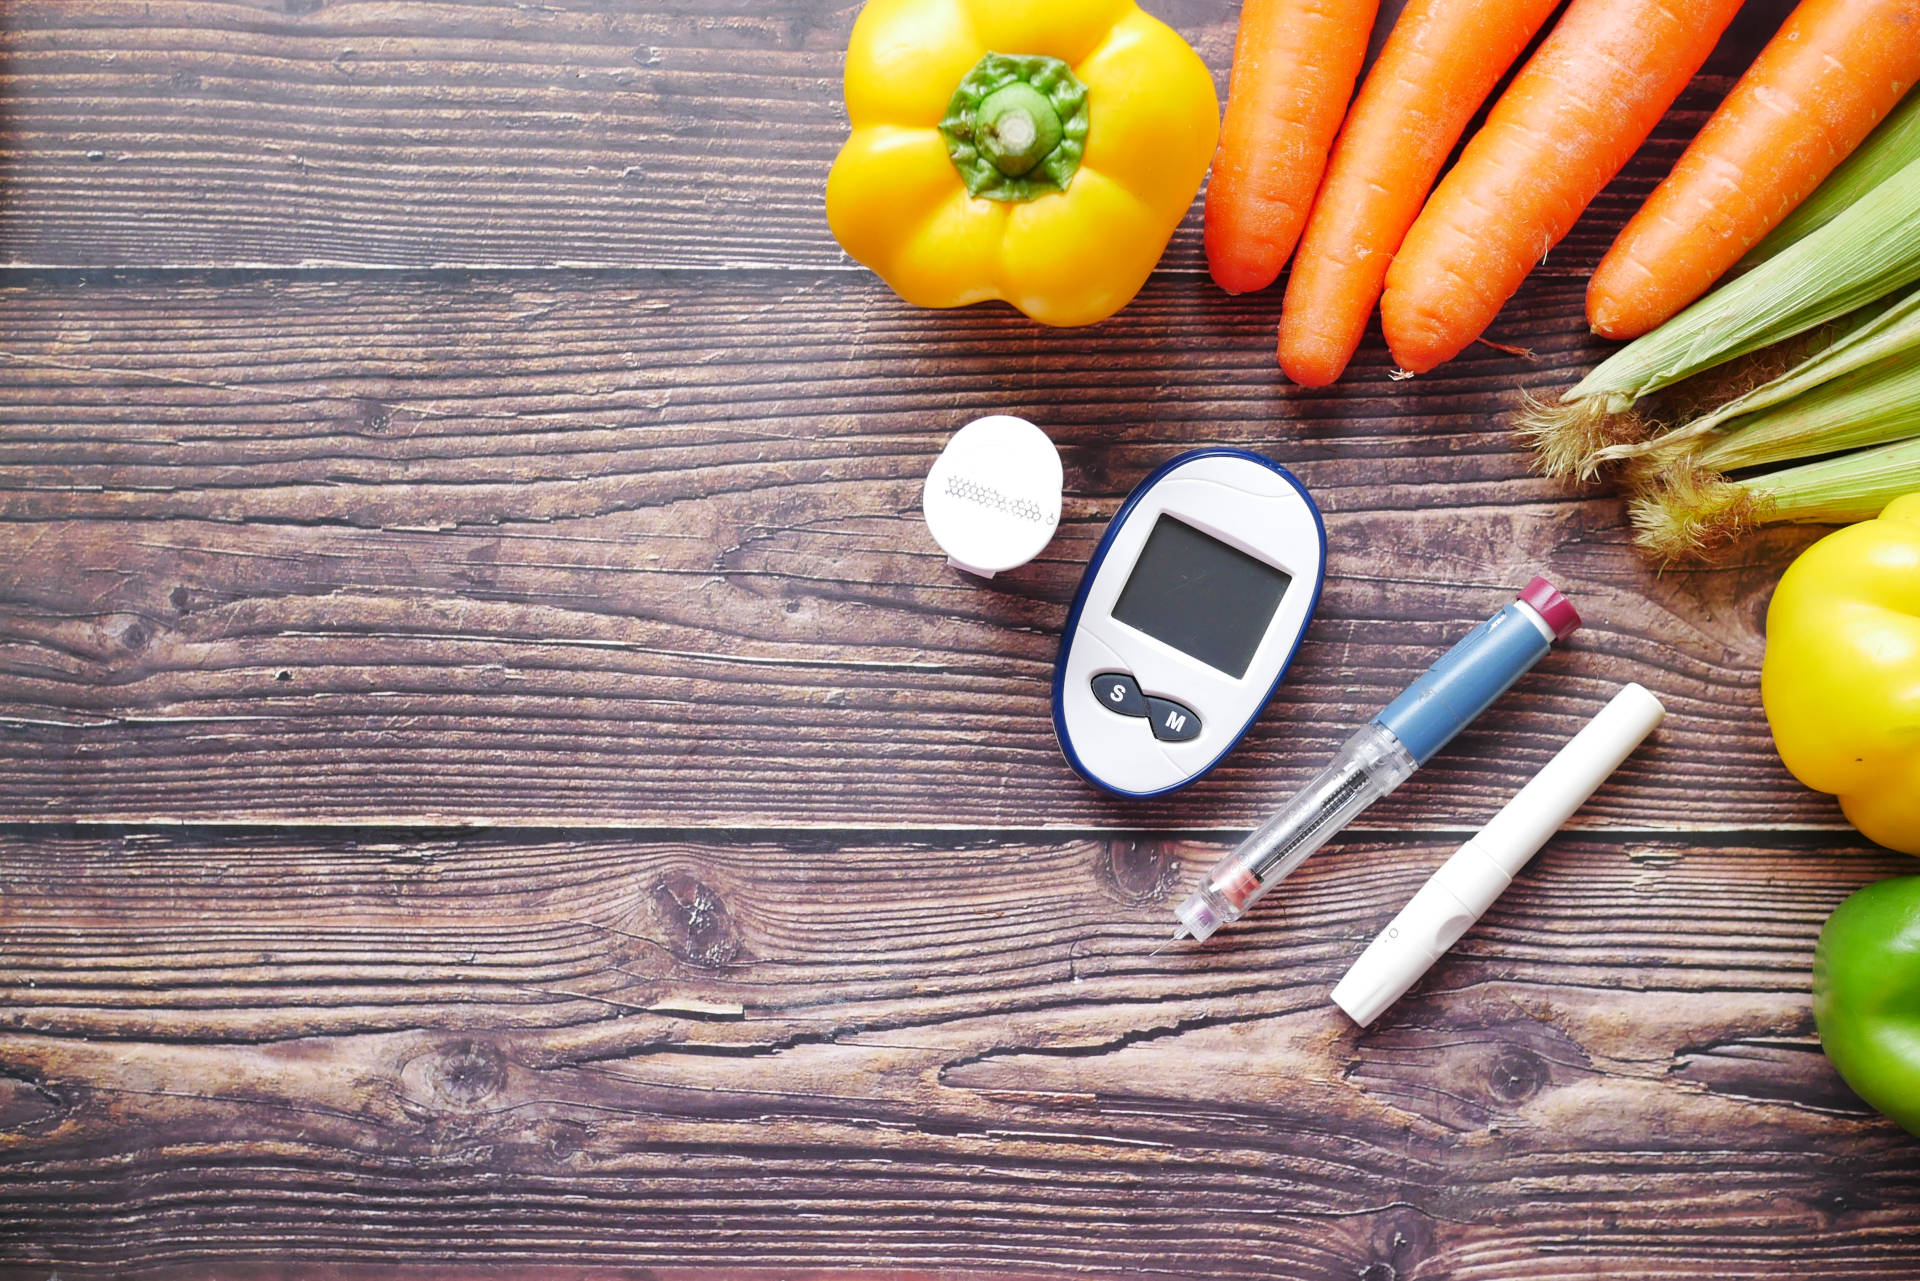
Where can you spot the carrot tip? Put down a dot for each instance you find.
(1525, 353)
(1695, 515)
(1567, 435)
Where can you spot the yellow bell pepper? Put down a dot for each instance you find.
(1841, 680)
(1037, 151)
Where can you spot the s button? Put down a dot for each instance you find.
(1116, 692)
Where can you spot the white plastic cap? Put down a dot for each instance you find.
(1479, 872)
(1405, 950)
(992, 499)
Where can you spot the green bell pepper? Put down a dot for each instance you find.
(1866, 996)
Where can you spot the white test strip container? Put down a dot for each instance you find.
(1480, 871)
(992, 499)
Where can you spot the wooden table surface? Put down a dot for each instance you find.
(497, 781)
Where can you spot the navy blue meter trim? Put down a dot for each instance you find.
(1093, 571)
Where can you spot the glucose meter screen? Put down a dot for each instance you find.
(1206, 599)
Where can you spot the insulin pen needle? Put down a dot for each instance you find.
(1178, 936)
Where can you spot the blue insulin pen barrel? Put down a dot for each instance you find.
(1467, 679)
(1384, 753)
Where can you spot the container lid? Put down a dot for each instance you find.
(992, 499)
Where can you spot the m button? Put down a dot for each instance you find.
(1171, 722)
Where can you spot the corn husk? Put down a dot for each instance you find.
(1698, 514)
(1888, 149)
(1864, 381)
(1870, 250)
(1872, 406)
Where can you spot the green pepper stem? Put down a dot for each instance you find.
(1017, 127)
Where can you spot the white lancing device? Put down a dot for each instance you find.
(1480, 871)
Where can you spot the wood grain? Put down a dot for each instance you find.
(421, 416)
(163, 133)
(499, 551)
(920, 1052)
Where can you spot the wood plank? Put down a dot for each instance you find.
(649, 552)
(919, 1052)
(163, 133)
(470, 1271)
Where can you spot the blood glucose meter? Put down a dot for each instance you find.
(1186, 620)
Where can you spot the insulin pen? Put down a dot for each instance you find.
(1480, 871)
(1384, 754)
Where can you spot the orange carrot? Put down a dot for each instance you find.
(1442, 60)
(1579, 108)
(1815, 91)
(1294, 65)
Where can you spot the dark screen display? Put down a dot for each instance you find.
(1206, 599)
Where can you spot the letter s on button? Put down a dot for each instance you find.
(1117, 692)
